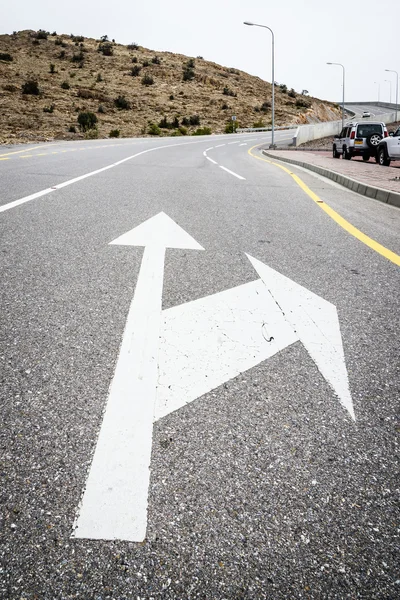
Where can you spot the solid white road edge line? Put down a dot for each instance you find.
(211, 160)
(231, 172)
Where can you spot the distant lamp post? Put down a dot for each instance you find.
(390, 96)
(397, 88)
(273, 80)
(340, 65)
(379, 90)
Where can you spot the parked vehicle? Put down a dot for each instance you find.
(360, 138)
(389, 149)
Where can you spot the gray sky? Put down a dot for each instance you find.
(360, 34)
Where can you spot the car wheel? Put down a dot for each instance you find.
(373, 140)
(335, 153)
(366, 157)
(346, 153)
(385, 162)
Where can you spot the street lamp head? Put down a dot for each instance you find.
(247, 23)
(329, 63)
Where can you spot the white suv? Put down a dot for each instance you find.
(359, 139)
(389, 149)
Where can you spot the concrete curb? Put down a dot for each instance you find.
(387, 196)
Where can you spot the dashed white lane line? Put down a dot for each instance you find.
(211, 160)
(220, 145)
(231, 172)
(245, 144)
(230, 143)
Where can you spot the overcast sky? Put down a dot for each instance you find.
(360, 34)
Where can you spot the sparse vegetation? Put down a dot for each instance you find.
(283, 88)
(72, 129)
(188, 70)
(114, 133)
(135, 71)
(147, 80)
(165, 124)
(145, 63)
(41, 35)
(133, 46)
(31, 87)
(122, 103)
(231, 127)
(175, 107)
(154, 129)
(228, 92)
(202, 131)
(92, 134)
(78, 58)
(303, 103)
(106, 48)
(87, 121)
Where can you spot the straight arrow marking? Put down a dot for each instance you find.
(114, 504)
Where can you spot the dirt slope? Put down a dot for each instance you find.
(76, 75)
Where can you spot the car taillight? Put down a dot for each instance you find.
(385, 134)
(352, 135)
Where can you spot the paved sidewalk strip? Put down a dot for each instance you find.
(368, 179)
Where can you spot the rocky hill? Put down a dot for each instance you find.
(47, 81)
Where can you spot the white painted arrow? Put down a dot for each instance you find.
(114, 504)
(225, 334)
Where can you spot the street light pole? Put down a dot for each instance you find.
(340, 65)
(379, 90)
(397, 88)
(273, 80)
(390, 83)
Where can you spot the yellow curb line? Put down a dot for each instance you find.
(365, 239)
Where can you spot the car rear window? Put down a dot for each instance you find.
(365, 130)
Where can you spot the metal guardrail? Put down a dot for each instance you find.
(250, 129)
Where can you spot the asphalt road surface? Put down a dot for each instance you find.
(256, 330)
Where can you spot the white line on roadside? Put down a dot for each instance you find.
(231, 172)
(211, 160)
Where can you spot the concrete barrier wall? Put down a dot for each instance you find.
(315, 131)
